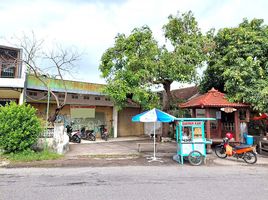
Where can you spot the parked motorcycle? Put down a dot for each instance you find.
(103, 132)
(245, 152)
(88, 134)
(74, 136)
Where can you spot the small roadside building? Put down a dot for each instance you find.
(86, 105)
(230, 117)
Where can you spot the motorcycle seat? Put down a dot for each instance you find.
(243, 146)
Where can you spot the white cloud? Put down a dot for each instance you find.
(92, 25)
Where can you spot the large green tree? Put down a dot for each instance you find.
(239, 64)
(136, 63)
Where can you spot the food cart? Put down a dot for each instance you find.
(191, 141)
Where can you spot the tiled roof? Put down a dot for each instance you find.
(213, 98)
(184, 93)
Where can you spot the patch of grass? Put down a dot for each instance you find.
(27, 156)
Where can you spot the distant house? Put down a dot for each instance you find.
(185, 93)
(182, 94)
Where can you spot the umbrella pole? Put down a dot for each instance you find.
(154, 141)
(154, 158)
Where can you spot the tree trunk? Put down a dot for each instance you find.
(167, 96)
(166, 106)
(53, 118)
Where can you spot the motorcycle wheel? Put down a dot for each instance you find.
(220, 152)
(76, 139)
(195, 158)
(92, 138)
(250, 157)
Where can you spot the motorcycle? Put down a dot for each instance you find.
(88, 134)
(245, 152)
(74, 136)
(103, 132)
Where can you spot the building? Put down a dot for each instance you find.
(86, 105)
(230, 116)
(12, 75)
(184, 94)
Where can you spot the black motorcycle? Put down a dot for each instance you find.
(103, 132)
(88, 134)
(74, 136)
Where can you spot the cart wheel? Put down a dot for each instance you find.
(195, 158)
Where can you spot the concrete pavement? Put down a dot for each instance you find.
(120, 146)
(123, 147)
(124, 151)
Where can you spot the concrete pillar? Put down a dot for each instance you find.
(194, 112)
(207, 123)
(208, 129)
(22, 97)
(219, 128)
(60, 139)
(115, 121)
(237, 126)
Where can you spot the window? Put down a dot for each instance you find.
(242, 114)
(213, 125)
(86, 97)
(107, 99)
(200, 113)
(228, 126)
(8, 71)
(97, 98)
(61, 96)
(33, 94)
(74, 96)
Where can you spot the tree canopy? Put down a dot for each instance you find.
(239, 64)
(137, 62)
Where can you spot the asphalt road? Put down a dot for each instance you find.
(135, 182)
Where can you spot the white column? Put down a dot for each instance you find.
(21, 99)
(115, 121)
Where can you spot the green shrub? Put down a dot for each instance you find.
(19, 127)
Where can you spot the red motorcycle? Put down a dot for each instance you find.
(245, 152)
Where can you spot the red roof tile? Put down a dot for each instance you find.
(213, 98)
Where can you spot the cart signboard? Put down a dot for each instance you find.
(190, 123)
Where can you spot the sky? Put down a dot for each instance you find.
(90, 26)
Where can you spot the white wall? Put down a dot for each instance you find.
(12, 82)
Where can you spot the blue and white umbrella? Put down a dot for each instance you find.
(153, 115)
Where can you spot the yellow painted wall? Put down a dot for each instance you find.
(108, 112)
(9, 94)
(125, 126)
